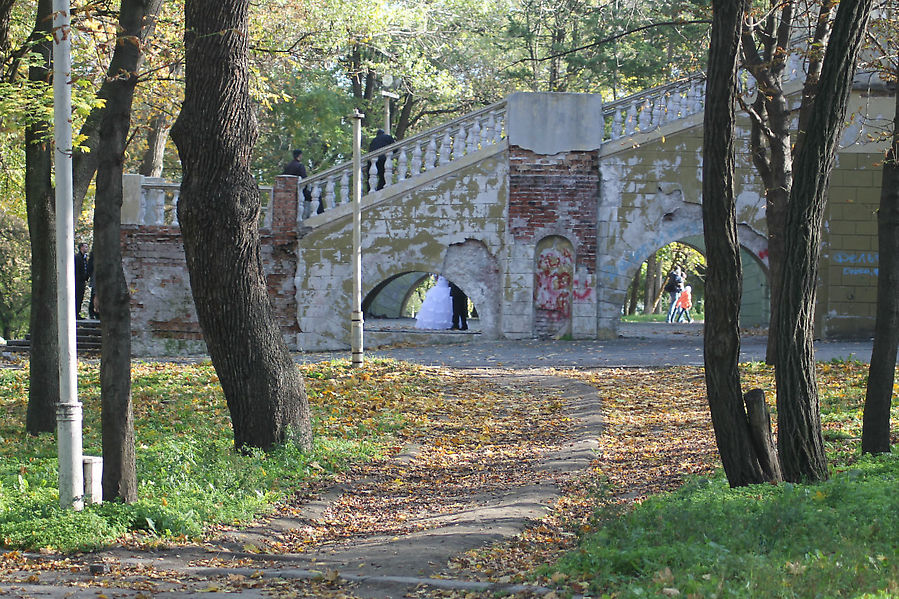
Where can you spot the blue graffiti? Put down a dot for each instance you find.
(856, 258)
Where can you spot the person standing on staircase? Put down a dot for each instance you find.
(82, 275)
(381, 140)
(296, 168)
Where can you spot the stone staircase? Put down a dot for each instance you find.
(87, 339)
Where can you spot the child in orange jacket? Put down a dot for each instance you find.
(684, 303)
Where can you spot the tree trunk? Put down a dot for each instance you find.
(218, 211)
(158, 135)
(634, 294)
(876, 423)
(136, 19)
(724, 271)
(799, 439)
(649, 288)
(43, 390)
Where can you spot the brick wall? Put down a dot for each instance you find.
(164, 321)
(555, 195)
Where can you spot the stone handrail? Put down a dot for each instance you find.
(153, 201)
(406, 158)
(652, 108)
(649, 109)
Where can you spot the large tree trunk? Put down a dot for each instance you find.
(152, 163)
(799, 440)
(43, 390)
(218, 211)
(724, 273)
(119, 476)
(876, 424)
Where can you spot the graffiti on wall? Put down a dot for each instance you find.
(857, 263)
(554, 277)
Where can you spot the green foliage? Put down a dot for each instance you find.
(190, 477)
(15, 275)
(834, 539)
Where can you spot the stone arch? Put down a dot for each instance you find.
(652, 222)
(554, 272)
(472, 267)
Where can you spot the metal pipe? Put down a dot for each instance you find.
(68, 412)
(357, 326)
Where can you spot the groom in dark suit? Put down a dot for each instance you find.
(460, 308)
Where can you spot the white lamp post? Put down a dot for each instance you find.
(357, 326)
(68, 412)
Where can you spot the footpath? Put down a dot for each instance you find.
(408, 558)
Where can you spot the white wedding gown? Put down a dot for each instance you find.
(437, 308)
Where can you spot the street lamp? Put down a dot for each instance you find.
(68, 411)
(357, 321)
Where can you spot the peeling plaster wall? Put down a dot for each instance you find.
(408, 228)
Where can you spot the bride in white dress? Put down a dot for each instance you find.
(437, 308)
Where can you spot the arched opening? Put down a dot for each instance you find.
(646, 299)
(395, 302)
(554, 263)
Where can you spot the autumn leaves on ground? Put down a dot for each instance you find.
(462, 434)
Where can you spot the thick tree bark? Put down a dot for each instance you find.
(724, 272)
(799, 439)
(633, 295)
(218, 211)
(43, 390)
(649, 288)
(876, 422)
(119, 475)
(157, 136)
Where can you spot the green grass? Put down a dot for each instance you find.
(189, 476)
(839, 538)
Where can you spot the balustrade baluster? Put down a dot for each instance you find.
(491, 135)
(616, 123)
(474, 135)
(388, 169)
(401, 165)
(372, 175)
(304, 208)
(316, 198)
(631, 124)
(330, 200)
(430, 154)
(645, 112)
(176, 195)
(458, 142)
(445, 147)
(345, 186)
(416, 166)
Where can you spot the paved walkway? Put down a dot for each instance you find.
(638, 345)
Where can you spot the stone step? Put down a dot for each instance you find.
(87, 339)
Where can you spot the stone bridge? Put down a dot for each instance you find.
(541, 208)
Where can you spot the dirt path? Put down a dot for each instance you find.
(510, 440)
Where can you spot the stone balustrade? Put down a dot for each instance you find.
(406, 159)
(154, 201)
